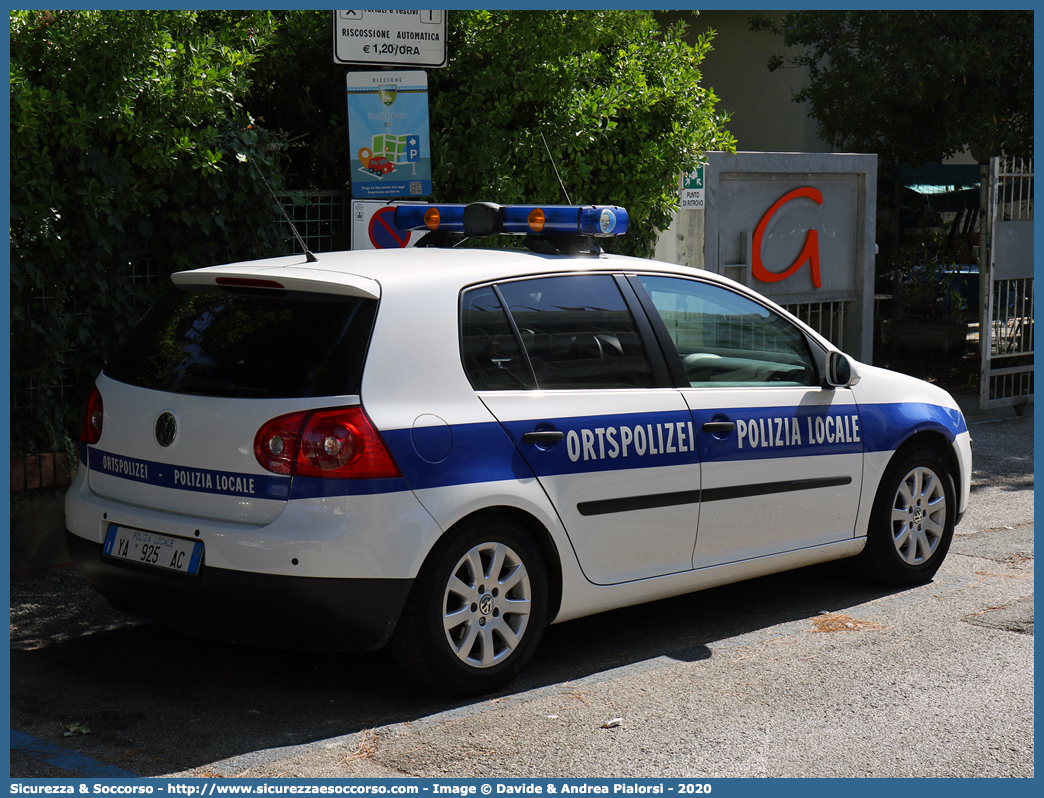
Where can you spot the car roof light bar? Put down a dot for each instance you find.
(481, 219)
(447, 218)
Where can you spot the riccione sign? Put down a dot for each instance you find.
(388, 136)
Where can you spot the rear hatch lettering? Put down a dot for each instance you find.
(166, 475)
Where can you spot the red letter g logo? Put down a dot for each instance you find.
(809, 253)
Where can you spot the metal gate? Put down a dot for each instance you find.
(1006, 320)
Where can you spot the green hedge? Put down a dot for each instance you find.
(130, 153)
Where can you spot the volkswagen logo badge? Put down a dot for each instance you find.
(166, 429)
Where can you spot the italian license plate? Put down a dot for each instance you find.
(150, 548)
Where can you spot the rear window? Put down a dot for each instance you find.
(248, 345)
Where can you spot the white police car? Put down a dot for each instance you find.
(450, 448)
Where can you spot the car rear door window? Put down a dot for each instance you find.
(577, 331)
(492, 355)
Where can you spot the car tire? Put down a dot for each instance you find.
(476, 611)
(912, 520)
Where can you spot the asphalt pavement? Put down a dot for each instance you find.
(807, 673)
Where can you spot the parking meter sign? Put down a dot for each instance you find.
(391, 37)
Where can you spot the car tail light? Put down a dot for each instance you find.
(336, 443)
(277, 442)
(93, 417)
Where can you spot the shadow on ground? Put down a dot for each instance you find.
(157, 701)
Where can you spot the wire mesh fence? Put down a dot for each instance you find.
(321, 217)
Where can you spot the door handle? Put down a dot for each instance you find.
(719, 426)
(544, 436)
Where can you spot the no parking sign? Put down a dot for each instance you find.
(373, 227)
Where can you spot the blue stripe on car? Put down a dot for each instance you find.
(491, 452)
(230, 483)
(477, 453)
(887, 426)
(484, 453)
(318, 488)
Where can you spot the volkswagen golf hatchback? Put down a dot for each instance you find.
(447, 449)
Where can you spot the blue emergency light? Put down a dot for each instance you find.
(486, 219)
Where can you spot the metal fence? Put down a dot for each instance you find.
(1007, 320)
(321, 217)
(826, 318)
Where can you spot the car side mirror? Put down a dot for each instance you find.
(840, 373)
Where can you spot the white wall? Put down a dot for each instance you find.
(764, 116)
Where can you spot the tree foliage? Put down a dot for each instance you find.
(914, 86)
(619, 103)
(298, 89)
(129, 147)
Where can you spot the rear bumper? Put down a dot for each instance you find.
(301, 613)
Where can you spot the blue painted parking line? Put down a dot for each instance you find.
(76, 764)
